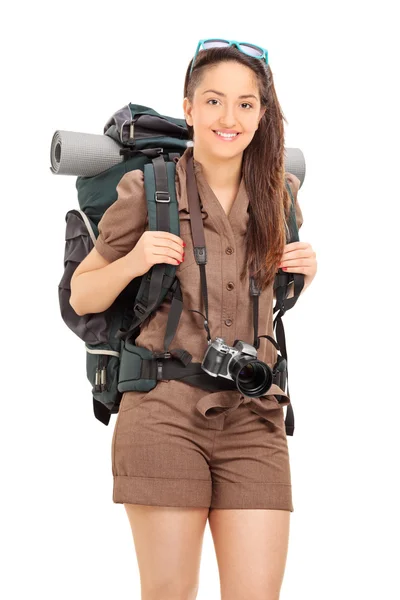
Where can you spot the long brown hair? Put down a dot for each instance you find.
(263, 166)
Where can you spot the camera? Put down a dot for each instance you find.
(239, 363)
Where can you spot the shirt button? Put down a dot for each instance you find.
(230, 285)
(229, 250)
(228, 322)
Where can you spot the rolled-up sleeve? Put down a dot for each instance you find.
(294, 183)
(124, 222)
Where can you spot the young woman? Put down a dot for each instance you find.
(182, 455)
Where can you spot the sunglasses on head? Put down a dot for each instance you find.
(249, 49)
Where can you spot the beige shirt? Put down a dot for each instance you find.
(230, 306)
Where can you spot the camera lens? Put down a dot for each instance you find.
(246, 375)
(251, 376)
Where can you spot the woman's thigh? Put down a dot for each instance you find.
(251, 547)
(168, 542)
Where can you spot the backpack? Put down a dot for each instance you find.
(114, 364)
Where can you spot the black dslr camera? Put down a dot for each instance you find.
(239, 362)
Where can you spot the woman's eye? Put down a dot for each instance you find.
(215, 100)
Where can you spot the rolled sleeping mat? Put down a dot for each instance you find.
(83, 154)
(295, 163)
(88, 154)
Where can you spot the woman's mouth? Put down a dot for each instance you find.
(226, 137)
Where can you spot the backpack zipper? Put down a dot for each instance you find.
(100, 380)
(101, 373)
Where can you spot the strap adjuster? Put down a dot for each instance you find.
(140, 308)
(159, 370)
(279, 309)
(159, 355)
(162, 196)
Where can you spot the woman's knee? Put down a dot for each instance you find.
(170, 590)
(168, 543)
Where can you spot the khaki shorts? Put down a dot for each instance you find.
(179, 445)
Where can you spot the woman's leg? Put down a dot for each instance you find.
(251, 547)
(168, 543)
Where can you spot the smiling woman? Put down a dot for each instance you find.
(236, 123)
(182, 455)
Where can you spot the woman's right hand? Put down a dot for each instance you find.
(155, 247)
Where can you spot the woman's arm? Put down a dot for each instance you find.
(108, 269)
(96, 282)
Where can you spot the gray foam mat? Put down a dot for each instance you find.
(88, 154)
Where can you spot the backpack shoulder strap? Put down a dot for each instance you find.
(163, 215)
(282, 283)
(283, 280)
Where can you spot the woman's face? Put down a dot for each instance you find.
(235, 107)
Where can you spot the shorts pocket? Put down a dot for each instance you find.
(175, 403)
(131, 400)
(134, 399)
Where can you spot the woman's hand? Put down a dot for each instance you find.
(154, 247)
(299, 257)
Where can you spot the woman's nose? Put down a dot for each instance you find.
(228, 119)
(228, 122)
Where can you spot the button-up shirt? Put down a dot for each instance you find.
(230, 306)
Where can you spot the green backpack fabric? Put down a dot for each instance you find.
(145, 136)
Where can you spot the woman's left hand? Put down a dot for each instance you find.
(299, 257)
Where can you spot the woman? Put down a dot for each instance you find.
(182, 455)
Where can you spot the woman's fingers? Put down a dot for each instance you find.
(297, 251)
(296, 262)
(296, 246)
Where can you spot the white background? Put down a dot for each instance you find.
(70, 67)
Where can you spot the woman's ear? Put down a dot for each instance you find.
(187, 110)
(262, 113)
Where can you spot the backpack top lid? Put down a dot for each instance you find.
(150, 130)
(147, 123)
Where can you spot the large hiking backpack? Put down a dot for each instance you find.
(150, 142)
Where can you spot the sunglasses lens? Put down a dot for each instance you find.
(252, 50)
(215, 44)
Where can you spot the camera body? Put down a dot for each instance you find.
(219, 355)
(238, 363)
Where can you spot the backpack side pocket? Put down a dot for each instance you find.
(79, 241)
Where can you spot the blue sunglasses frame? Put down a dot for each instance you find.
(230, 43)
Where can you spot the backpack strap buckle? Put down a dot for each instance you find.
(159, 370)
(162, 196)
(180, 354)
(157, 356)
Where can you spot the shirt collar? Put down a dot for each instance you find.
(238, 216)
